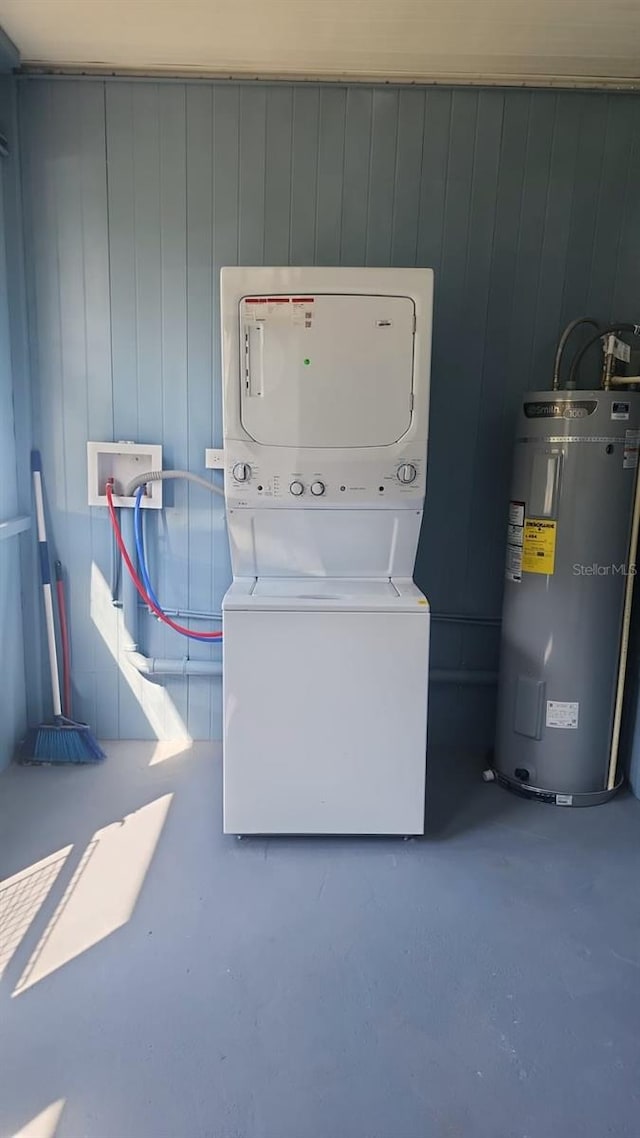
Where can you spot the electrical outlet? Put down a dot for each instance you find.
(214, 458)
(122, 462)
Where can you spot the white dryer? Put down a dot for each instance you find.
(326, 637)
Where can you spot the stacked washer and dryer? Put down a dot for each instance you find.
(326, 636)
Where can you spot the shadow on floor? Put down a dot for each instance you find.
(454, 799)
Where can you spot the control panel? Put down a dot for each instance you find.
(254, 478)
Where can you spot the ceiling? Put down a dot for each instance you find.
(583, 41)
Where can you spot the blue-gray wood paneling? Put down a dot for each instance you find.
(136, 193)
(13, 497)
(9, 54)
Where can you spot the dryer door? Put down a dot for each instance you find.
(327, 370)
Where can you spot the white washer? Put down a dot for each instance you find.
(326, 731)
(326, 637)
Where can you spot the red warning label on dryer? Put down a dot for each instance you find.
(294, 309)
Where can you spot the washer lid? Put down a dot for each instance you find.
(296, 594)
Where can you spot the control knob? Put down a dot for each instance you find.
(407, 472)
(296, 488)
(242, 472)
(317, 488)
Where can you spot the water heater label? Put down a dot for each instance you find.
(516, 513)
(560, 409)
(561, 714)
(539, 546)
(630, 451)
(513, 568)
(515, 530)
(619, 410)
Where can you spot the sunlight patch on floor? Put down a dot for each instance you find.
(169, 750)
(102, 893)
(45, 1124)
(21, 898)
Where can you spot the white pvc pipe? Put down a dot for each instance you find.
(624, 641)
(156, 666)
(468, 676)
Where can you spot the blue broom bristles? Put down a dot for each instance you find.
(63, 741)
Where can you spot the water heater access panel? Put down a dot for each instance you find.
(326, 370)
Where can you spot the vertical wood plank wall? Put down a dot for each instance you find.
(15, 494)
(525, 204)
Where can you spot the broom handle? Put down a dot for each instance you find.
(64, 637)
(45, 574)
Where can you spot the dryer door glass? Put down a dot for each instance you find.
(326, 370)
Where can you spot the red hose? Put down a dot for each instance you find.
(64, 635)
(138, 583)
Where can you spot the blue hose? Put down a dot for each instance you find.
(142, 560)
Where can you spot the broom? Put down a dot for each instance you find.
(63, 740)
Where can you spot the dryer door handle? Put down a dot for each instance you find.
(254, 360)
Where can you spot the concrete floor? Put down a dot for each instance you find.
(163, 980)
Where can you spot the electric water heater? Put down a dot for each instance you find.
(567, 559)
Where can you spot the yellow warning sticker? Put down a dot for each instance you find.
(539, 546)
